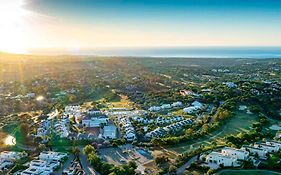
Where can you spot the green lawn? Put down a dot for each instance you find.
(239, 123)
(247, 172)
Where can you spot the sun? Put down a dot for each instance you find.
(12, 16)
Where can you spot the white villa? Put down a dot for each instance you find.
(177, 104)
(40, 167)
(127, 127)
(154, 108)
(5, 164)
(50, 156)
(189, 110)
(274, 143)
(215, 159)
(11, 155)
(255, 151)
(268, 147)
(242, 107)
(7, 159)
(73, 111)
(62, 127)
(165, 106)
(230, 84)
(195, 106)
(228, 157)
(47, 163)
(237, 153)
(94, 112)
(231, 156)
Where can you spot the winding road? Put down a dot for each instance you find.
(86, 166)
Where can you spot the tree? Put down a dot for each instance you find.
(160, 160)
(205, 128)
(41, 147)
(88, 150)
(38, 139)
(75, 151)
(172, 170)
(94, 159)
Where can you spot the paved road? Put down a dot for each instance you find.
(181, 169)
(66, 164)
(89, 170)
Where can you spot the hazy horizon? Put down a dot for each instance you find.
(188, 52)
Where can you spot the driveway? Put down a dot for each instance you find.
(89, 170)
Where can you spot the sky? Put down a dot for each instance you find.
(72, 25)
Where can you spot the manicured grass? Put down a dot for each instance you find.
(247, 172)
(123, 103)
(241, 122)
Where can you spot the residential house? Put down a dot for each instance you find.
(46, 164)
(230, 84)
(50, 155)
(237, 153)
(221, 159)
(255, 151)
(274, 143)
(269, 148)
(11, 155)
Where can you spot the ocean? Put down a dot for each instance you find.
(188, 52)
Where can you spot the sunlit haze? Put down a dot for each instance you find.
(72, 26)
(11, 26)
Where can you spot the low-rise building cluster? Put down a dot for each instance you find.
(165, 106)
(230, 84)
(8, 158)
(73, 111)
(231, 157)
(159, 120)
(127, 128)
(262, 149)
(162, 131)
(228, 157)
(62, 127)
(195, 106)
(46, 163)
